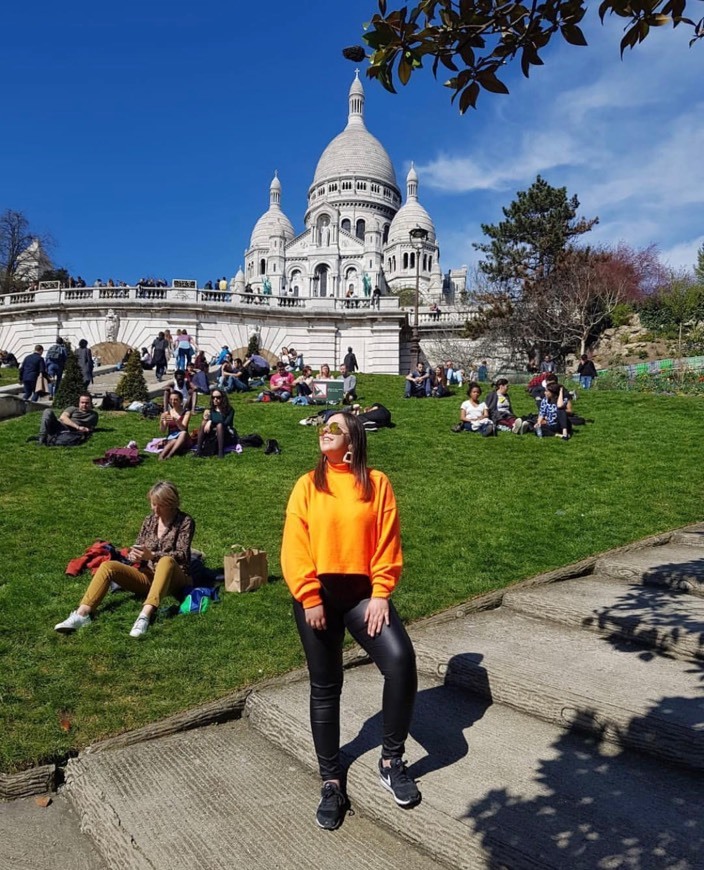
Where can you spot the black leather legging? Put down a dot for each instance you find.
(392, 652)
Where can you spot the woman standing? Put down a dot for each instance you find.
(341, 558)
(160, 562)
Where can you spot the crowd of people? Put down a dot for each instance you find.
(338, 582)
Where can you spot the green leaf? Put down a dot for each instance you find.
(404, 71)
(469, 97)
(487, 79)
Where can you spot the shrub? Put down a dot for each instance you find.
(621, 315)
(253, 344)
(132, 387)
(72, 383)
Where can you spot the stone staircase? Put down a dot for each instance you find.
(563, 729)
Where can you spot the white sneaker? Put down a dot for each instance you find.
(517, 426)
(140, 627)
(72, 622)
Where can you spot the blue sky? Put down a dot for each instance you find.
(143, 135)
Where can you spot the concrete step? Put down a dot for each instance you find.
(652, 616)
(502, 789)
(219, 798)
(677, 566)
(693, 537)
(637, 698)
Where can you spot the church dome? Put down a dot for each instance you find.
(355, 151)
(410, 215)
(273, 222)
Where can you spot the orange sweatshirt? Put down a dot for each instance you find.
(338, 533)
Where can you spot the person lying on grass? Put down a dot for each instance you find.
(160, 563)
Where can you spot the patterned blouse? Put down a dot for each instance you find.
(176, 542)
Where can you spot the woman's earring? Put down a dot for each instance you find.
(347, 457)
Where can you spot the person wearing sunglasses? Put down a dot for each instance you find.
(217, 431)
(341, 559)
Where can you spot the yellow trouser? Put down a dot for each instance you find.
(167, 579)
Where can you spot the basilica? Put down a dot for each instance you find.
(357, 234)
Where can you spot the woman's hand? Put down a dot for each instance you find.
(377, 615)
(138, 553)
(206, 426)
(315, 617)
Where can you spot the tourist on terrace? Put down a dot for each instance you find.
(341, 575)
(417, 383)
(158, 565)
(174, 425)
(32, 367)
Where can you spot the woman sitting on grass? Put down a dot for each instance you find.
(174, 424)
(324, 373)
(438, 383)
(474, 415)
(217, 431)
(160, 562)
(552, 416)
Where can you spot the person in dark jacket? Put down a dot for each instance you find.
(160, 348)
(501, 413)
(350, 361)
(586, 371)
(85, 361)
(32, 366)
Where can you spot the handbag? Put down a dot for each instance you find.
(245, 570)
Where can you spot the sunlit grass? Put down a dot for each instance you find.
(477, 514)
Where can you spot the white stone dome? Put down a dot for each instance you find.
(355, 151)
(273, 222)
(410, 215)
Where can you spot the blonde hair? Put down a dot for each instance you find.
(165, 493)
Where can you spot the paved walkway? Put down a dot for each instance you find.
(561, 729)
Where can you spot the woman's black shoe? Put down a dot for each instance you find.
(332, 807)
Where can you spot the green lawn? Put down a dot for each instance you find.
(476, 515)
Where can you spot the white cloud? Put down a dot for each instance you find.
(684, 254)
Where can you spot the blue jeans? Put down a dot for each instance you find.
(585, 381)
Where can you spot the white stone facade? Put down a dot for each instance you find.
(357, 229)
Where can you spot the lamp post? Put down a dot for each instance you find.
(418, 236)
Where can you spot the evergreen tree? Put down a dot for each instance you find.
(72, 383)
(132, 387)
(253, 345)
(699, 268)
(540, 225)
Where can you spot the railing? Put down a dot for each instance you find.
(53, 297)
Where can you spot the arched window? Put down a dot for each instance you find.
(425, 262)
(405, 261)
(262, 267)
(346, 225)
(413, 259)
(430, 263)
(295, 282)
(385, 237)
(359, 230)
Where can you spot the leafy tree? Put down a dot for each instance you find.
(15, 238)
(72, 383)
(539, 225)
(61, 275)
(132, 387)
(683, 303)
(476, 39)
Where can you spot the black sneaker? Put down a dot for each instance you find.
(396, 779)
(332, 807)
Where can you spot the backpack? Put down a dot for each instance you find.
(119, 457)
(111, 402)
(56, 353)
